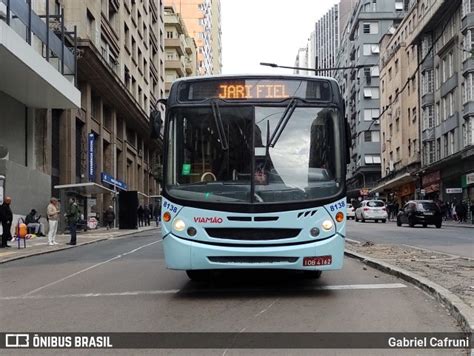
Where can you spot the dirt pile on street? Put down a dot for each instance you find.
(452, 272)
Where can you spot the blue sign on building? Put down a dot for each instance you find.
(107, 178)
(91, 156)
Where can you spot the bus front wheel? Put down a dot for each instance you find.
(197, 275)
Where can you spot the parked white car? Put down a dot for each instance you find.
(350, 212)
(371, 210)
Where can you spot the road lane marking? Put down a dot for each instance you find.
(241, 290)
(88, 269)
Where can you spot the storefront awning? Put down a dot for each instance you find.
(405, 178)
(85, 188)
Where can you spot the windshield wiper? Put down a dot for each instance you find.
(290, 108)
(219, 125)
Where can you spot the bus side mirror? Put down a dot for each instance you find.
(155, 124)
(348, 143)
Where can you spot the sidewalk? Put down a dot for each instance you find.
(39, 245)
(449, 223)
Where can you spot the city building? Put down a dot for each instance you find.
(105, 145)
(327, 32)
(301, 61)
(400, 113)
(180, 48)
(202, 19)
(37, 79)
(360, 49)
(442, 31)
(216, 37)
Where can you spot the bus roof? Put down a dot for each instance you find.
(251, 76)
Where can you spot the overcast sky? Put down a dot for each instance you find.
(255, 31)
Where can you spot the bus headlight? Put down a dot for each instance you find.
(179, 225)
(327, 225)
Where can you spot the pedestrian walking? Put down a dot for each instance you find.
(6, 218)
(146, 215)
(157, 213)
(53, 215)
(72, 216)
(109, 217)
(140, 215)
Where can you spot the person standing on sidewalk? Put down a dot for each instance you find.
(109, 217)
(53, 215)
(6, 218)
(72, 216)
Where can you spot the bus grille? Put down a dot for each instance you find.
(251, 234)
(252, 259)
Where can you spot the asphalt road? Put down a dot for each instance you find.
(453, 240)
(122, 285)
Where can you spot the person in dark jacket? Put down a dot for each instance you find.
(6, 218)
(146, 215)
(72, 216)
(33, 223)
(109, 217)
(140, 215)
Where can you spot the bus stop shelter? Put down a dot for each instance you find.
(86, 196)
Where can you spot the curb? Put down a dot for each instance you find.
(463, 314)
(78, 245)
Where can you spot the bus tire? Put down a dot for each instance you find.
(197, 275)
(312, 274)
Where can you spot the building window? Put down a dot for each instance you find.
(451, 104)
(437, 114)
(451, 142)
(169, 34)
(371, 114)
(467, 7)
(413, 114)
(372, 93)
(445, 147)
(370, 28)
(469, 87)
(397, 124)
(371, 136)
(372, 159)
(438, 149)
(369, 49)
(450, 65)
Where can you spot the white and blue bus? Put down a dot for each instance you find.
(254, 174)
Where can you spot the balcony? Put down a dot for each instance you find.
(175, 43)
(176, 65)
(428, 134)
(27, 76)
(468, 65)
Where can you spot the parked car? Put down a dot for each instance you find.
(350, 212)
(422, 212)
(371, 210)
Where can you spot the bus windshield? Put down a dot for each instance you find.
(226, 154)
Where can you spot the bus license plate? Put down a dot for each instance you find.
(317, 261)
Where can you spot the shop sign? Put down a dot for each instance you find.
(91, 156)
(453, 190)
(468, 179)
(107, 178)
(431, 178)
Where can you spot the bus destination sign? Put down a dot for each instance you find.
(254, 89)
(249, 91)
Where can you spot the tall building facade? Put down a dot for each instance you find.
(301, 61)
(181, 50)
(400, 113)
(37, 79)
(327, 32)
(442, 30)
(360, 46)
(202, 19)
(105, 145)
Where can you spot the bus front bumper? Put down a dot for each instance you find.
(183, 254)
